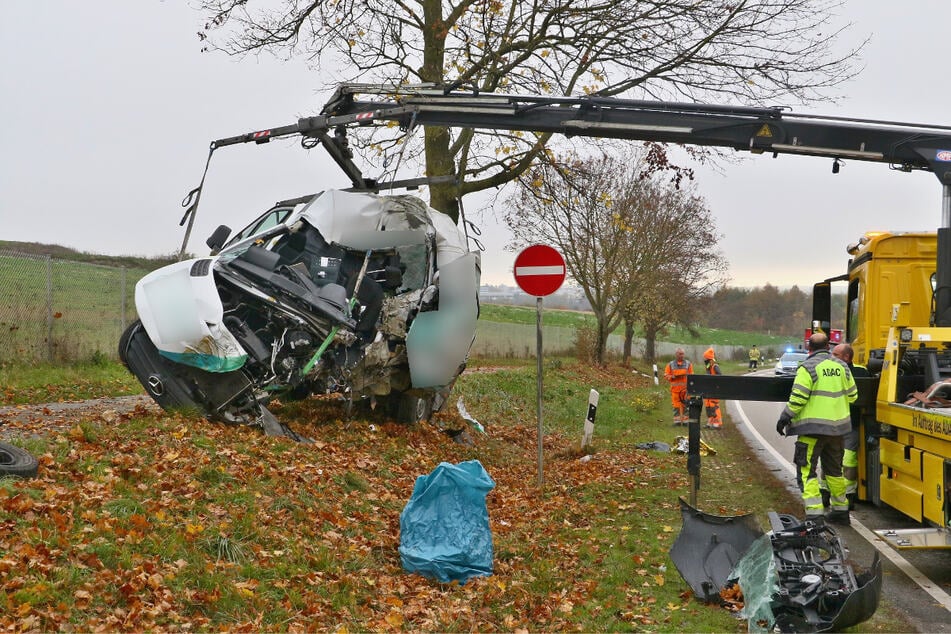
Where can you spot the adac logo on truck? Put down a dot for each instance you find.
(943, 155)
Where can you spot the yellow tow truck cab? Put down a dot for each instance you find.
(894, 302)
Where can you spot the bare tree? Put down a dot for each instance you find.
(679, 288)
(571, 204)
(751, 51)
(632, 240)
(679, 263)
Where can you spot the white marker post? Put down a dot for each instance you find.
(589, 419)
(539, 271)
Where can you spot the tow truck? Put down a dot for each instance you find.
(899, 286)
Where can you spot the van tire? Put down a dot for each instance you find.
(15, 461)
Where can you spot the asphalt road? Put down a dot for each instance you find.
(916, 581)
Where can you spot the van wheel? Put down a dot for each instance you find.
(15, 461)
(407, 408)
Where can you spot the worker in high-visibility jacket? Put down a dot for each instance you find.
(818, 413)
(755, 355)
(676, 374)
(712, 405)
(850, 454)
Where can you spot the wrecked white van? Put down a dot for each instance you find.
(371, 296)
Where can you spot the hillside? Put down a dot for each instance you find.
(67, 253)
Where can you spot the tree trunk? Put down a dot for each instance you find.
(439, 158)
(650, 338)
(602, 343)
(628, 343)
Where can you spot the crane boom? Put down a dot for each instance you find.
(771, 130)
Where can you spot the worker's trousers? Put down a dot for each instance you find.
(712, 406)
(678, 398)
(850, 462)
(810, 453)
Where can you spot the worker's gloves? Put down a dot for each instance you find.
(785, 420)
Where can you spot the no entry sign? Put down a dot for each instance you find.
(539, 270)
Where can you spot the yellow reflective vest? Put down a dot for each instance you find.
(820, 397)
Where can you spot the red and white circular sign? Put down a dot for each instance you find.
(539, 270)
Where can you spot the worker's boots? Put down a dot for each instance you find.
(839, 517)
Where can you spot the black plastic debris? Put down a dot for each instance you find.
(814, 587)
(708, 548)
(796, 578)
(654, 445)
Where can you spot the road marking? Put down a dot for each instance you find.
(880, 545)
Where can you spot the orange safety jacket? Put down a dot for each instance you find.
(712, 368)
(677, 373)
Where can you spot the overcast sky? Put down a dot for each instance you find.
(109, 106)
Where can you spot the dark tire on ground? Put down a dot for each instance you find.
(16, 461)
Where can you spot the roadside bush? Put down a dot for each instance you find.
(586, 343)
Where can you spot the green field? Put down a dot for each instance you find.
(574, 319)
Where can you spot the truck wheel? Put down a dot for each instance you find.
(15, 461)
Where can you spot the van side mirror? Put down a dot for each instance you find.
(218, 238)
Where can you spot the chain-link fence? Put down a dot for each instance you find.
(62, 310)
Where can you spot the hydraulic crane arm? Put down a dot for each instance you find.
(770, 130)
(904, 146)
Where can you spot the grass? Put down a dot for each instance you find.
(173, 523)
(50, 383)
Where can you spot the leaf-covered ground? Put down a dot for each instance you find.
(145, 521)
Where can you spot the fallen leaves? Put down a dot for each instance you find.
(146, 508)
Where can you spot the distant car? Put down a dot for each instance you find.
(789, 363)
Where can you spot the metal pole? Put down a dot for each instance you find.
(49, 309)
(946, 206)
(123, 298)
(694, 406)
(538, 357)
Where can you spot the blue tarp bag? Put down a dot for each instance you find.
(444, 528)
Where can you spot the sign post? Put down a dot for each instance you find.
(539, 271)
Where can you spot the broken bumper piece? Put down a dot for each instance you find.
(796, 578)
